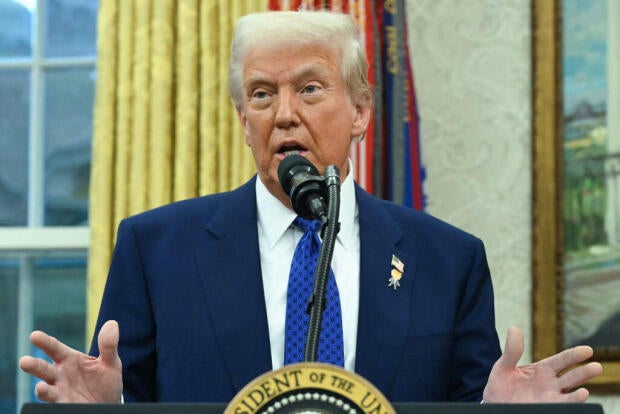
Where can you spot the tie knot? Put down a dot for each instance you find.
(307, 225)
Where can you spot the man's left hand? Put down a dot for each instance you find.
(551, 380)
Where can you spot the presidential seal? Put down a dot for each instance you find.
(309, 388)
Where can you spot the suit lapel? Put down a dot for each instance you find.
(230, 271)
(384, 311)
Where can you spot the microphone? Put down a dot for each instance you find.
(301, 181)
(308, 192)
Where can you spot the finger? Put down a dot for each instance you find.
(580, 375)
(108, 342)
(578, 396)
(39, 368)
(52, 347)
(46, 392)
(513, 351)
(568, 358)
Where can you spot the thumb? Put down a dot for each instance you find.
(513, 351)
(108, 342)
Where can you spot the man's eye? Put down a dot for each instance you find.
(259, 95)
(311, 89)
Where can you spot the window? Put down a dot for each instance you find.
(47, 84)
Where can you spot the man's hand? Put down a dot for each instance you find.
(76, 377)
(549, 380)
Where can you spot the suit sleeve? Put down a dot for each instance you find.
(126, 299)
(476, 343)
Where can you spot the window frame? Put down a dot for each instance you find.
(25, 243)
(37, 63)
(57, 242)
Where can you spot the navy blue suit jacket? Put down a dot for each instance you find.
(185, 286)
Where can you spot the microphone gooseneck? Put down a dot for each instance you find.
(318, 301)
(301, 181)
(309, 193)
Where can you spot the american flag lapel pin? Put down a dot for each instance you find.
(398, 267)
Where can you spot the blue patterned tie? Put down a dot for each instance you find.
(300, 283)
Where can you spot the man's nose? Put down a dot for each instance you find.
(287, 114)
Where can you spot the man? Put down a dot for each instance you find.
(198, 288)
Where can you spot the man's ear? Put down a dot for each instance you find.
(243, 120)
(361, 118)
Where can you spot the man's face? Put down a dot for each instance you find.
(295, 102)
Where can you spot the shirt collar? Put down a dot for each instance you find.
(274, 218)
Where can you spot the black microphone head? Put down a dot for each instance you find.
(291, 166)
(300, 180)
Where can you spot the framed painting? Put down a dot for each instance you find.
(576, 181)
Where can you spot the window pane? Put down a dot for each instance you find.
(59, 303)
(59, 298)
(8, 332)
(71, 27)
(68, 122)
(15, 20)
(14, 98)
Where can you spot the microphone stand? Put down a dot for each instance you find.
(317, 302)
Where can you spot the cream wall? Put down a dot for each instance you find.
(472, 68)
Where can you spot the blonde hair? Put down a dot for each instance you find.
(302, 27)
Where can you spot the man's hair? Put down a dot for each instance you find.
(302, 27)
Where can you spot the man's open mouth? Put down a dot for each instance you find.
(287, 150)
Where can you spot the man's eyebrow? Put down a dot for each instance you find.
(256, 80)
(311, 70)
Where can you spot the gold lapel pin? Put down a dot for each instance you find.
(397, 273)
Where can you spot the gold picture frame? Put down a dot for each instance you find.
(547, 231)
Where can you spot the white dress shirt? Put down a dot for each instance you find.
(277, 239)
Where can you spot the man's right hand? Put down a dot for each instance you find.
(75, 377)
